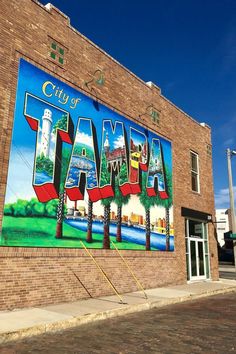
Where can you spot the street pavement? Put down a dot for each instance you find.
(21, 323)
(205, 325)
(47, 321)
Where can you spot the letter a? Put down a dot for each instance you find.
(156, 175)
(82, 171)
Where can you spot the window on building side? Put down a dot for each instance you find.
(155, 116)
(194, 172)
(209, 150)
(57, 52)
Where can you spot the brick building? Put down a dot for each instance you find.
(43, 38)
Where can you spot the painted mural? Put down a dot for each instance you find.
(81, 174)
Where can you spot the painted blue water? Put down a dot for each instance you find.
(42, 177)
(130, 234)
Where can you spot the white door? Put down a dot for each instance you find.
(197, 258)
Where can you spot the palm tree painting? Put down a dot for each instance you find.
(64, 161)
(61, 210)
(167, 203)
(106, 202)
(120, 199)
(89, 238)
(147, 202)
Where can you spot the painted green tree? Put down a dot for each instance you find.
(8, 209)
(167, 203)
(32, 208)
(20, 207)
(51, 208)
(89, 237)
(65, 159)
(106, 202)
(147, 202)
(35, 208)
(120, 200)
(60, 124)
(44, 164)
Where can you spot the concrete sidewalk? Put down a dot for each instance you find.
(28, 322)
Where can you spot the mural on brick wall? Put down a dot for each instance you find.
(80, 174)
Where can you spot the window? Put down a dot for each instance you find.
(194, 172)
(57, 52)
(209, 150)
(155, 116)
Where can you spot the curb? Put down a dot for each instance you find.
(90, 318)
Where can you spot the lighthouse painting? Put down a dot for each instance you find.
(44, 165)
(52, 126)
(79, 171)
(46, 132)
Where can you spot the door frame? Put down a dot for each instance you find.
(203, 240)
(198, 276)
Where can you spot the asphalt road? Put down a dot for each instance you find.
(201, 326)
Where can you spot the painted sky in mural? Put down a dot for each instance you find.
(69, 152)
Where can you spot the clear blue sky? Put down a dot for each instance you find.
(186, 47)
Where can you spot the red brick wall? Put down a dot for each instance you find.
(31, 277)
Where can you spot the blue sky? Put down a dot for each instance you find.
(188, 48)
